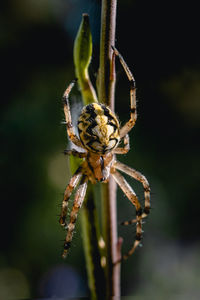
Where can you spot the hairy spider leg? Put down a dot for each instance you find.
(133, 114)
(75, 153)
(125, 149)
(70, 129)
(128, 191)
(78, 200)
(141, 178)
(68, 191)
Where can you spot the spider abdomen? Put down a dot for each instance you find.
(98, 128)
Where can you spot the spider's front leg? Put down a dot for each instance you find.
(70, 129)
(78, 200)
(133, 112)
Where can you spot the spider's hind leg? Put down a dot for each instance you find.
(78, 200)
(69, 189)
(141, 178)
(128, 191)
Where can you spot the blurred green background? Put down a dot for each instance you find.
(160, 42)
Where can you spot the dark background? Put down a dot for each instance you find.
(160, 42)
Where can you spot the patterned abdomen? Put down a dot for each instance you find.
(98, 128)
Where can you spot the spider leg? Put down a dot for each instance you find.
(125, 149)
(75, 153)
(78, 200)
(70, 129)
(128, 191)
(133, 113)
(138, 176)
(70, 187)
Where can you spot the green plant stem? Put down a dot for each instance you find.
(90, 228)
(96, 278)
(106, 93)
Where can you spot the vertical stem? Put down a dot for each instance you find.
(107, 39)
(96, 278)
(106, 89)
(90, 228)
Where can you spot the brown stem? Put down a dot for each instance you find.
(106, 90)
(108, 25)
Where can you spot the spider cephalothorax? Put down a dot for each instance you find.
(99, 136)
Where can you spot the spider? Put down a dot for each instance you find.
(99, 137)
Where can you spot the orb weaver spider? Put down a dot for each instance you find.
(99, 136)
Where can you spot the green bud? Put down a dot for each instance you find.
(82, 58)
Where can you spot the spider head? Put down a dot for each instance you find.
(98, 128)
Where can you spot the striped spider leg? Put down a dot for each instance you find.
(133, 112)
(70, 129)
(141, 178)
(130, 194)
(78, 200)
(125, 148)
(69, 189)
